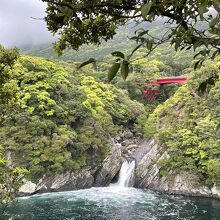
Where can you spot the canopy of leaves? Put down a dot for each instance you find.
(65, 120)
(10, 177)
(190, 24)
(7, 89)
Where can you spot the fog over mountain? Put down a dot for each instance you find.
(17, 26)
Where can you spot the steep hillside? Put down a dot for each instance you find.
(120, 42)
(64, 121)
(185, 126)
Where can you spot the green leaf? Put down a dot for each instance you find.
(210, 81)
(214, 21)
(197, 44)
(204, 53)
(202, 87)
(124, 70)
(113, 71)
(203, 154)
(140, 34)
(215, 54)
(202, 9)
(198, 64)
(145, 9)
(218, 128)
(177, 44)
(63, 9)
(135, 49)
(118, 54)
(91, 60)
(216, 4)
(150, 44)
(137, 10)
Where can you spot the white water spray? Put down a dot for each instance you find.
(126, 174)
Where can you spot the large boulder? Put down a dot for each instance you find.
(146, 169)
(66, 181)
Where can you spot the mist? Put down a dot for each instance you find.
(17, 26)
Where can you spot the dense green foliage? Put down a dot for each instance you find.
(67, 117)
(65, 120)
(56, 118)
(10, 182)
(7, 88)
(10, 176)
(186, 126)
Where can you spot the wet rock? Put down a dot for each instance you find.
(147, 173)
(27, 188)
(129, 150)
(125, 143)
(215, 192)
(188, 184)
(67, 181)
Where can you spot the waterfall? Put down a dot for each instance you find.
(126, 174)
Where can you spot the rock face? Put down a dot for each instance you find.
(110, 167)
(85, 178)
(147, 174)
(59, 182)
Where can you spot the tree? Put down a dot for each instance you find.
(7, 89)
(10, 177)
(192, 24)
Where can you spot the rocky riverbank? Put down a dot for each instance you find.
(147, 174)
(146, 153)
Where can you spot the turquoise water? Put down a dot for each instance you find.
(112, 203)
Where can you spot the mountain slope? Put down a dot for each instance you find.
(65, 121)
(185, 126)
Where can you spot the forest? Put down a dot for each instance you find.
(74, 114)
(64, 111)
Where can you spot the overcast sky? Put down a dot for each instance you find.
(16, 25)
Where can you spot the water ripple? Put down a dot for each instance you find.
(112, 203)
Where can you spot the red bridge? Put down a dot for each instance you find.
(152, 90)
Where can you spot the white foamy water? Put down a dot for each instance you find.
(111, 203)
(126, 174)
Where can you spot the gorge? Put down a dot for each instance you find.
(117, 201)
(70, 130)
(144, 155)
(118, 118)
